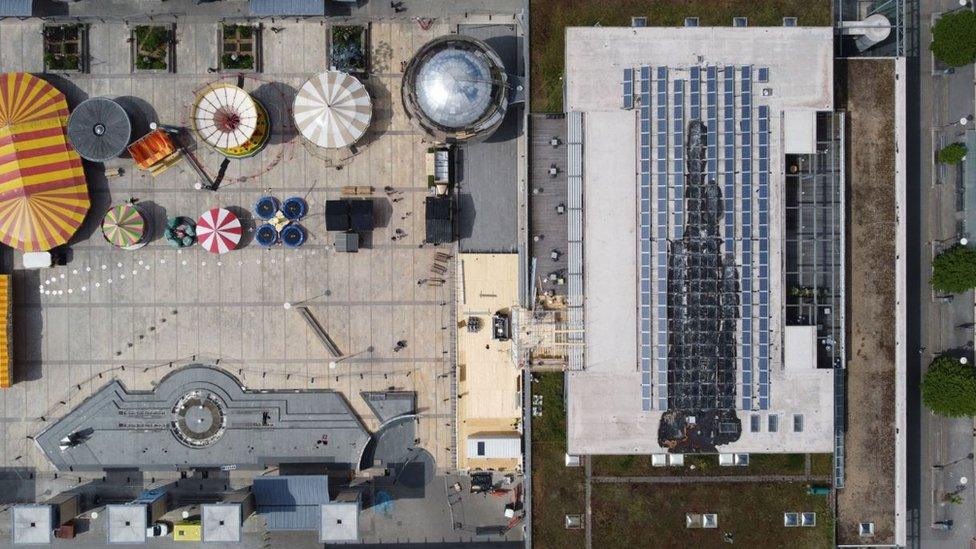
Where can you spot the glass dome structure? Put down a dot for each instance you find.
(455, 88)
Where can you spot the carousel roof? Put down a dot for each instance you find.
(224, 115)
(332, 109)
(43, 193)
(99, 129)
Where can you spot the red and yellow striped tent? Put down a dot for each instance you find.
(43, 195)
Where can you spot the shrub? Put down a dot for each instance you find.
(954, 270)
(58, 62)
(949, 388)
(954, 38)
(952, 153)
(243, 61)
(152, 39)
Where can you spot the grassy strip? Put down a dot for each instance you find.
(645, 515)
(557, 490)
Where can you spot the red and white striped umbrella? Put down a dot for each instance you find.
(218, 231)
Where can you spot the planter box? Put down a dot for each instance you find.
(349, 48)
(66, 48)
(239, 43)
(161, 38)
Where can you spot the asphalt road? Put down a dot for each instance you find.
(937, 447)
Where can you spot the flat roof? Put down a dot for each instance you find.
(32, 524)
(121, 428)
(339, 522)
(488, 379)
(127, 523)
(737, 82)
(221, 522)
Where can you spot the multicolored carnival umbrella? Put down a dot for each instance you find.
(124, 226)
(43, 194)
(332, 109)
(219, 231)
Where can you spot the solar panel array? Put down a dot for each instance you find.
(743, 176)
(661, 173)
(645, 242)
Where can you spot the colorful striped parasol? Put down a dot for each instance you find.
(219, 231)
(43, 194)
(123, 226)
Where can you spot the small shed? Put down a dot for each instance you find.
(361, 215)
(339, 522)
(127, 523)
(494, 446)
(16, 8)
(347, 242)
(284, 8)
(337, 215)
(32, 524)
(439, 213)
(291, 502)
(222, 522)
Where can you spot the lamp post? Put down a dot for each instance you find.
(288, 304)
(953, 462)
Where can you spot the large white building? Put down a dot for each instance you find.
(680, 284)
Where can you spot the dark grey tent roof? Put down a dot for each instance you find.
(439, 213)
(288, 7)
(361, 214)
(291, 502)
(99, 129)
(16, 8)
(336, 215)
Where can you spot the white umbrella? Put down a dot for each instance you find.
(224, 116)
(332, 109)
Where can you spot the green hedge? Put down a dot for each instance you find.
(952, 153)
(954, 38)
(954, 270)
(949, 388)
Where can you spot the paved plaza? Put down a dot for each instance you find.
(135, 315)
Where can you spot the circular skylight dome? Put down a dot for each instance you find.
(455, 88)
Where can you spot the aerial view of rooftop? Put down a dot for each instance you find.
(487, 273)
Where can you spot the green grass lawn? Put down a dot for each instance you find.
(557, 490)
(759, 464)
(551, 17)
(653, 515)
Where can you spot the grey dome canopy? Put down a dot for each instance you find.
(455, 88)
(99, 129)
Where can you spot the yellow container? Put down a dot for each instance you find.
(187, 531)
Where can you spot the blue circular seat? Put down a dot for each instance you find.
(294, 208)
(266, 207)
(266, 235)
(293, 235)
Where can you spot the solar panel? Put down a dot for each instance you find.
(628, 88)
(763, 75)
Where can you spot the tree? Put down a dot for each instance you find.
(949, 388)
(952, 153)
(954, 38)
(954, 270)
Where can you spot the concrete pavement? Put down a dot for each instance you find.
(939, 465)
